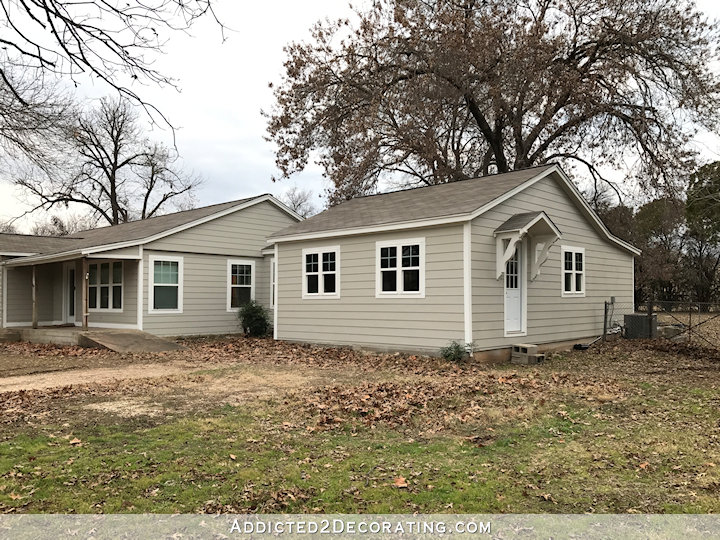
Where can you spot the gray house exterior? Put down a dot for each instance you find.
(180, 274)
(514, 258)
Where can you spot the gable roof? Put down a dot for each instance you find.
(125, 234)
(439, 201)
(454, 202)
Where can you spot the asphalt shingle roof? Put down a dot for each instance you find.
(125, 232)
(518, 221)
(430, 202)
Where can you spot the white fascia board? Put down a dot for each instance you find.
(416, 224)
(16, 254)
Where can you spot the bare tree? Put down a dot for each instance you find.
(112, 170)
(433, 91)
(300, 201)
(8, 227)
(57, 225)
(112, 41)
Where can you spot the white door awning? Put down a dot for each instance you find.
(538, 228)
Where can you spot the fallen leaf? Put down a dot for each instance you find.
(644, 465)
(233, 457)
(76, 442)
(400, 482)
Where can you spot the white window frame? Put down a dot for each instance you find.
(319, 252)
(574, 272)
(244, 262)
(111, 284)
(379, 293)
(151, 283)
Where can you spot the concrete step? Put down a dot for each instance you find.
(126, 341)
(8, 336)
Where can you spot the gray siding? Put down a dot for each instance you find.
(243, 233)
(49, 294)
(204, 297)
(358, 317)
(550, 317)
(128, 315)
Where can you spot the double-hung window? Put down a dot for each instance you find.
(240, 283)
(105, 286)
(400, 268)
(573, 271)
(321, 272)
(166, 284)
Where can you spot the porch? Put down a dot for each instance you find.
(83, 292)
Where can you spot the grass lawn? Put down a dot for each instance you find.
(256, 426)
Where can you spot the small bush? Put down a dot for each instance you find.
(254, 319)
(455, 352)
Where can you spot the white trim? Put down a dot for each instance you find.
(111, 326)
(110, 285)
(4, 297)
(273, 271)
(379, 293)
(457, 218)
(319, 252)
(158, 236)
(229, 285)
(522, 279)
(467, 282)
(65, 301)
(105, 255)
(275, 308)
(632, 267)
(140, 290)
(573, 250)
(40, 323)
(15, 254)
(151, 283)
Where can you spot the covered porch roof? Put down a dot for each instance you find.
(538, 227)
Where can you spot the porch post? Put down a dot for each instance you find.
(84, 293)
(34, 297)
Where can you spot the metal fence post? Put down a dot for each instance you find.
(605, 322)
(649, 315)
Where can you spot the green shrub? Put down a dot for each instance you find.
(254, 319)
(455, 352)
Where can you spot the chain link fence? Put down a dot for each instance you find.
(689, 322)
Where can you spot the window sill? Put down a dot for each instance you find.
(573, 295)
(104, 310)
(400, 295)
(320, 296)
(163, 311)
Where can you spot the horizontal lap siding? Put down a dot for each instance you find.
(128, 315)
(49, 293)
(206, 249)
(357, 317)
(243, 233)
(550, 317)
(204, 298)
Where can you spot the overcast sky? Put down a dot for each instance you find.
(224, 86)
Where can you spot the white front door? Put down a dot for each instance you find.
(513, 293)
(69, 294)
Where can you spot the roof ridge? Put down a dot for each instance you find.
(227, 203)
(405, 190)
(60, 237)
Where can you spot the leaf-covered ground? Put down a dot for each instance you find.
(260, 426)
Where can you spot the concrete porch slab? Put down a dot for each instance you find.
(126, 341)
